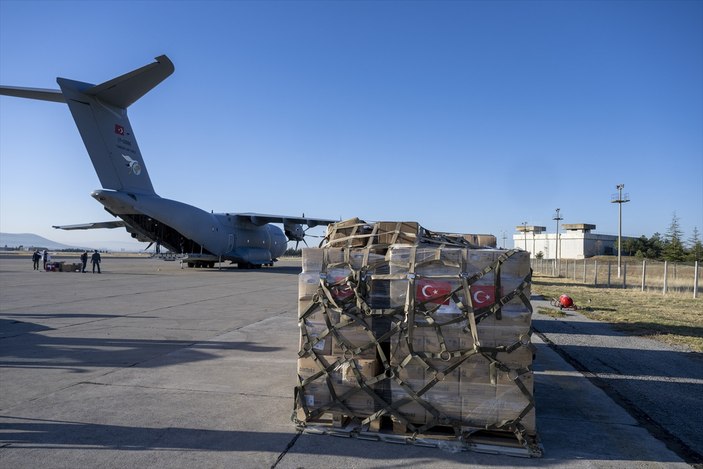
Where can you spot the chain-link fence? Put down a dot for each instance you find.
(647, 275)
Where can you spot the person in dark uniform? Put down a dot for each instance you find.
(35, 259)
(84, 260)
(95, 259)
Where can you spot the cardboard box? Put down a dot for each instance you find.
(312, 259)
(388, 232)
(308, 285)
(446, 404)
(485, 240)
(350, 338)
(314, 337)
(350, 233)
(479, 406)
(344, 378)
(511, 400)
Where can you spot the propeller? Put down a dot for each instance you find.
(296, 232)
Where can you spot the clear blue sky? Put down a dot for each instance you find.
(463, 116)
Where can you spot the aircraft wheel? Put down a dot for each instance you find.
(191, 265)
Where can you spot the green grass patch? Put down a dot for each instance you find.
(555, 313)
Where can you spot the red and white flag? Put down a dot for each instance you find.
(483, 295)
(433, 291)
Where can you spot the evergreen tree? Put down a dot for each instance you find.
(655, 245)
(696, 251)
(673, 246)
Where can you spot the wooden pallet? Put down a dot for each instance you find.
(494, 442)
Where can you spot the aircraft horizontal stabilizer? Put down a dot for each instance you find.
(124, 90)
(33, 93)
(262, 219)
(92, 226)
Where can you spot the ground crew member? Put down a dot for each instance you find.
(95, 259)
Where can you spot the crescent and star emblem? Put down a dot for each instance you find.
(427, 293)
(481, 297)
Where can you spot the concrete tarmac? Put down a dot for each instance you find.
(150, 365)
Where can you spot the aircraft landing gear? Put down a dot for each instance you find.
(248, 265)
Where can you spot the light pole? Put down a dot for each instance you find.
(619, 199)
(557, 217)
(524, 231)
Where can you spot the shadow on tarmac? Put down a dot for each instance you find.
(283, 269)
(659, 387)
(610, 329)
(27, 434)
(40, 350)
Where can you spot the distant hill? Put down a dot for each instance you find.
(29, 240)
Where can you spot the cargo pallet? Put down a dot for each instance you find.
(444, 438)
(416, 338)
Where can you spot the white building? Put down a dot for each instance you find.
(577, 242)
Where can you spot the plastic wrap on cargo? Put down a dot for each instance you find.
(423, 334)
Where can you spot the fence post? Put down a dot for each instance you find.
(695, 280)
(608, 274)
(666, 273)
(584, 270)
(595, 276)
(644, 273)
(624, 275)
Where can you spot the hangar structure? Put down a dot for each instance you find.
(576, 242)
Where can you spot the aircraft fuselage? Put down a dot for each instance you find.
(183, 229)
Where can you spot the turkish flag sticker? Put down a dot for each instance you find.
(119, 130)
(433, 291)
(483, 295)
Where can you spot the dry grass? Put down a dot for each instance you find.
(679, 276)
(672, 318)
(553, 312)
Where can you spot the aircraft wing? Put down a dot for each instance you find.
(262, 218)
(92, 226)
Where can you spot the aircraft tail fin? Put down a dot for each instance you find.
(100, 113)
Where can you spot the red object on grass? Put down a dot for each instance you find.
(565, 301)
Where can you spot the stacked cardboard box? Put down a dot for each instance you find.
(415, 331)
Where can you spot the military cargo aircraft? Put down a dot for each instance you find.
(100, 113)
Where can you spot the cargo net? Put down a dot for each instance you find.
(358, 233)
(424, 338)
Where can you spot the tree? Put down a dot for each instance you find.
(655, 245)
(696, 251)
(631, 246)
(673, 246)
